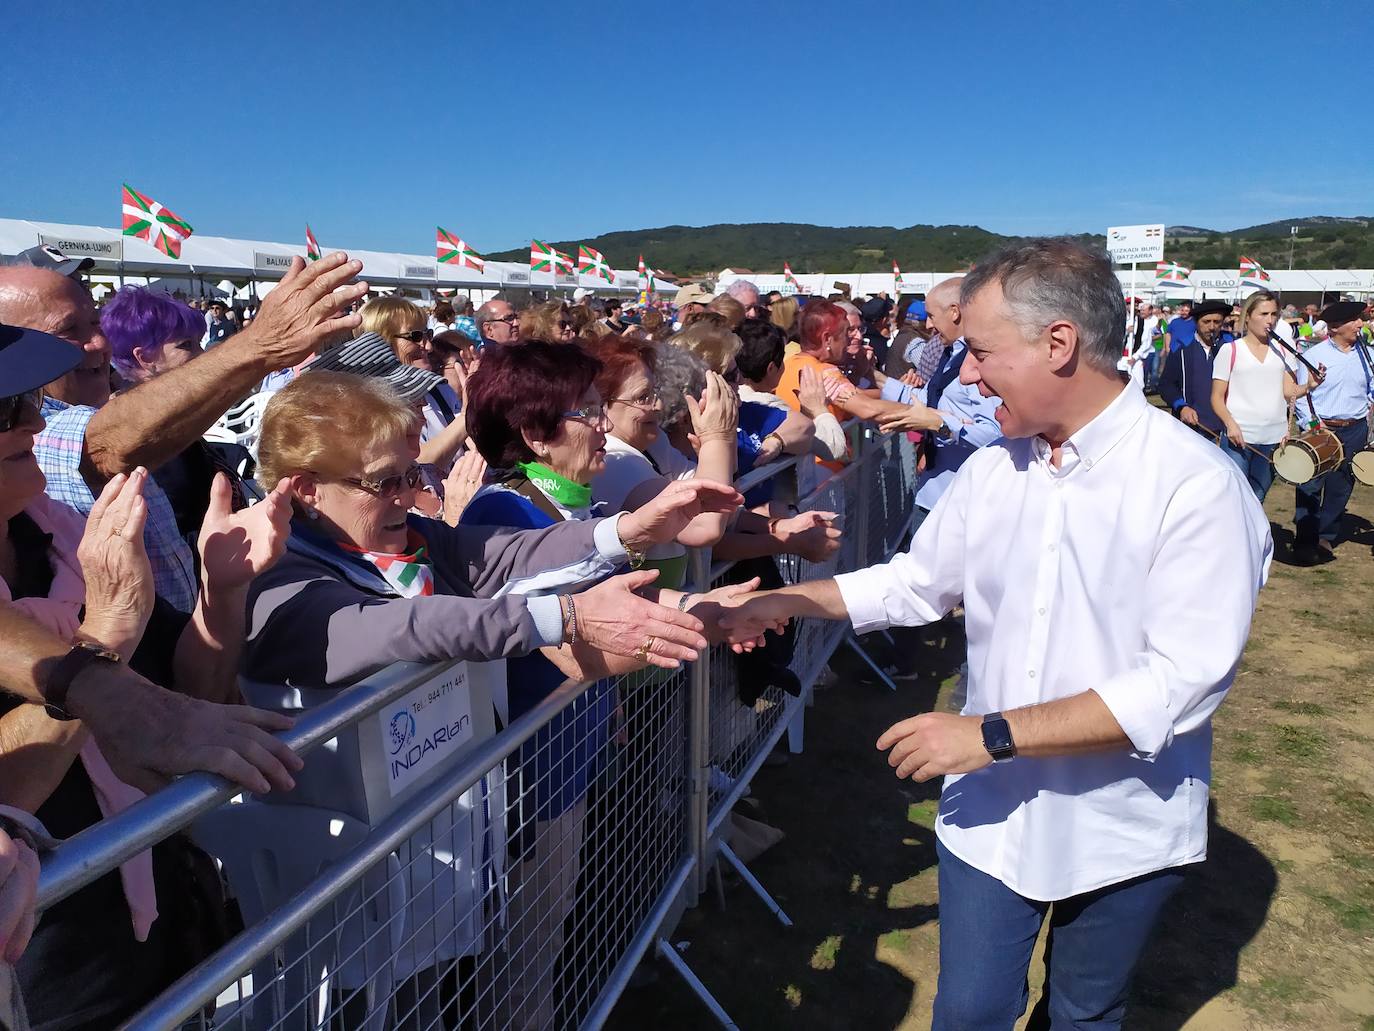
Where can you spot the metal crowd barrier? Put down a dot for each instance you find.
(519, 881)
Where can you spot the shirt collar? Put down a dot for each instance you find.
(1091, 443)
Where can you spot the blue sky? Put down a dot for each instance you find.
(506, 120)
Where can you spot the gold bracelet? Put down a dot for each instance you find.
(636, 557)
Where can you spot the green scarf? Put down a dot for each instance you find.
(559, 488)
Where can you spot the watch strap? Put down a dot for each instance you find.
(68, 668)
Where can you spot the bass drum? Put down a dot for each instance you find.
(1363, 467)
(1315, 453)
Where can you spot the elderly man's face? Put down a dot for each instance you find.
(504, 327)
(43, 300)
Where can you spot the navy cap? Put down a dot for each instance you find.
(917, 312)
(30, 359)
(1338, 313)
(49, 257)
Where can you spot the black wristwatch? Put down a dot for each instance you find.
(68, 668)
(997, 738)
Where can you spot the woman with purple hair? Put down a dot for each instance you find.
(150, 332)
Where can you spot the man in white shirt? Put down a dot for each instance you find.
(1108, 560)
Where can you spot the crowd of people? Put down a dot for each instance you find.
(522, 483)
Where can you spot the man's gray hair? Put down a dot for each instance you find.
(849, 309)
(1046, 280)
(742, 287)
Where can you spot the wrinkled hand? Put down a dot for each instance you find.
(716, 413)
(18, 890)
(811, 393)
(237, 546)
(667, 515)
(935, 743)
(1188, 415)
(748, 632)
(612, 618)
(462, 483)
(119, 580)
(149, 734)
(913, 417)
(812, 535)
(302, 315)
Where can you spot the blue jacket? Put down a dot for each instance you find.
(1187, 380)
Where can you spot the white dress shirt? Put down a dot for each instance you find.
(1131, 570)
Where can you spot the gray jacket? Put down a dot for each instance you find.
(323, 618)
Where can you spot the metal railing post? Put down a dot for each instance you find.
(699, 738)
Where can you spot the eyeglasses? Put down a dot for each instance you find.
(12, 406)
(416, 336)
(592, 415)
(647, 399)
(388, 486)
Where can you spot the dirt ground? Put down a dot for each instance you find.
(1274, 931)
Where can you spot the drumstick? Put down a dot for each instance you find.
(1216, 439)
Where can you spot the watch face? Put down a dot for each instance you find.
(997, 736)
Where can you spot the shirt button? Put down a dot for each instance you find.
(1053, 547)
(1031, 674)
(1041, 610)
(1088, 463)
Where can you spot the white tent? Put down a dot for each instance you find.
(208, 260)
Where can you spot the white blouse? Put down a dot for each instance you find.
(1255, 396)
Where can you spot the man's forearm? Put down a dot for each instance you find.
(157, 420)
(29, 655)
(817, 599)
(1066, 726)
(36, 751)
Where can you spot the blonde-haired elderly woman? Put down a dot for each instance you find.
(550, 322)
(405, 327)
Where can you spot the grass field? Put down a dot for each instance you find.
(1274, 931)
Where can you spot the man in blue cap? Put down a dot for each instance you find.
(1185, 384)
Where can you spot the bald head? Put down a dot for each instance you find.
(41, 299)
(942, 306)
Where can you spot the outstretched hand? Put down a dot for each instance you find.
(935, 743)
(743, 631)
(612, 618)
(749, 617)
(667, 515)
(114, 562)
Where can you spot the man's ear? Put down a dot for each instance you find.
(1063, 341)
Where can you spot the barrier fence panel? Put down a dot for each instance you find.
(520, 885)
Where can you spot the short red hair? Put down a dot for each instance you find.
(618, 355)
(819, 319)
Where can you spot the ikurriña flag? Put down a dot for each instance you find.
(149, 220)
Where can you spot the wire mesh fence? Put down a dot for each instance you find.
(518, 886)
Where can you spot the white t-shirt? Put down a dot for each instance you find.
(1255, 396)
(626, 468)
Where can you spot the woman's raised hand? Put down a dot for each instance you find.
(716, 414)
(119, 580)
(237, 546)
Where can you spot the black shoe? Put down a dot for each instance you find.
(1304, 556)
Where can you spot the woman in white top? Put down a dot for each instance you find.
(1252, 387)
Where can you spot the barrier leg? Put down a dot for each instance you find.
(758, 889)
(708, 1000)
(853, 642)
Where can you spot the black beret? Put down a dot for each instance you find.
(1202, 308)
(1341, 312)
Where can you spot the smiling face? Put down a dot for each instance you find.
(43, 300)
(1027, 376)
(634, 411)
(363, 517)
(578, 449)
(21, 480)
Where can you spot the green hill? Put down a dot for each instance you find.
(1322, 242)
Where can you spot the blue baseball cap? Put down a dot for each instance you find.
(30, 359)
(917, 312)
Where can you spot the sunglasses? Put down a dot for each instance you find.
(11, 407)
(509, 320)
(388, 486)
(416, 336)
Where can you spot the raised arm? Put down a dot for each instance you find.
(153, 422)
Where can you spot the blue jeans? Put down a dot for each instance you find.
(1259, 471)
(987, 933)
(1320, 503)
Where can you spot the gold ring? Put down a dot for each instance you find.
(642, 652)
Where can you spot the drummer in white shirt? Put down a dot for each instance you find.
(1343, 401)
(1108, 560)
